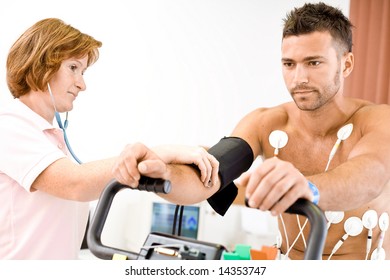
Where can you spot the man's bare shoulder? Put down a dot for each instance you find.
(368, 107)
(258, 124)
(276, 114)
(368, 112)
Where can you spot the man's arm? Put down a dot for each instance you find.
(366, 173)
(276, 184)
(187, 188)
(234, 156)
(66, 179)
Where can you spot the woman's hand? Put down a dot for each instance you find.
(180, 154)
(130, 163)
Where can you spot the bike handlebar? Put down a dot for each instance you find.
(303, 207)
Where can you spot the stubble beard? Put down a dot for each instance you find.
(317, 98)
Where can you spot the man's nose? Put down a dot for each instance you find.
(300, 75)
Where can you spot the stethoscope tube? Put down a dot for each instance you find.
(63, 127)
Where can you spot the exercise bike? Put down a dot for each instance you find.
(161, 246)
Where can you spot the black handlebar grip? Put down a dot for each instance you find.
(102, 209)
(154, 185)
(318, 230)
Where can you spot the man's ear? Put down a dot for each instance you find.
(348, 63)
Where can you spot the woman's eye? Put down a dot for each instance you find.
(75, 69)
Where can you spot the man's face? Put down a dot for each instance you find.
(311, 69)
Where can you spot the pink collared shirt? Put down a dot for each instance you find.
(34, 224)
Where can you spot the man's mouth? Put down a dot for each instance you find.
(303, 91)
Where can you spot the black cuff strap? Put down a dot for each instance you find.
(235, 156)
(222, 200)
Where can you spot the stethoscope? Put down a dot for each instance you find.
(63, 126)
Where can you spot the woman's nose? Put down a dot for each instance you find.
(80, 83)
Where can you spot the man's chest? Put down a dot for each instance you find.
(312, 156)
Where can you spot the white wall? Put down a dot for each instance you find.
(173, 71)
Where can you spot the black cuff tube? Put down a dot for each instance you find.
(235, 156)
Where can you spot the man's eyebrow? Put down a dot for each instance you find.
(287, 59)
(314, 57)
(308, 58)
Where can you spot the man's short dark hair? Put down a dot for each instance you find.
(320, 17)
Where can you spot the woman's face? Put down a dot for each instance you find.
(68, 82)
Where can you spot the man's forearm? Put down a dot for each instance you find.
(187, 187)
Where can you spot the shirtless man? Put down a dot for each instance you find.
(316, 58)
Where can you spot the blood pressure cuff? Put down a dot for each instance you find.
(235, 156)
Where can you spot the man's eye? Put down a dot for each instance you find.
(314, 63)
(288, 64)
